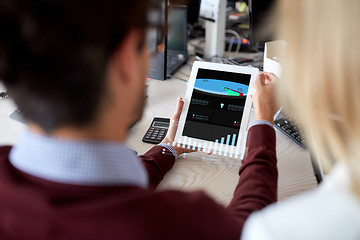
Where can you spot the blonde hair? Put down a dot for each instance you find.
(321, 77)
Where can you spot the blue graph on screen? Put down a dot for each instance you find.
(221, 87)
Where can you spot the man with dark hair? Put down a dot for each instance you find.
(77, 71)
(59, 51)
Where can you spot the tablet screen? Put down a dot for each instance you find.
(216, 106)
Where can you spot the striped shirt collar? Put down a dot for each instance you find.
(90, 163)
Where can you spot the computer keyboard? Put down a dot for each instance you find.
(289, 128)
(3, 95)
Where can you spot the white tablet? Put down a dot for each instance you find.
(217, 108)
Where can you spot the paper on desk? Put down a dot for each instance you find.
(273, 55)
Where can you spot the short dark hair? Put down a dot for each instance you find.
(53, 54)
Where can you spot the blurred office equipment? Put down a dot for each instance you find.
(261, 23)
(157, 41)
(168, 45)
(214, 12)
(177, 52)
(193, 8)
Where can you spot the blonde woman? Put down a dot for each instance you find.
(321, 88)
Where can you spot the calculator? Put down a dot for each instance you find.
(157, 130)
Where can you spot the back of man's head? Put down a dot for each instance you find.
(53, 54)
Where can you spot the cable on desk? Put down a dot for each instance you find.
(238, 38)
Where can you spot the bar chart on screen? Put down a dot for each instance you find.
(232, 146)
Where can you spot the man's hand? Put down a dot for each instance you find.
(264, 97)
(174, 122)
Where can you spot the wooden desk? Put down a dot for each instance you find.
(216, 175)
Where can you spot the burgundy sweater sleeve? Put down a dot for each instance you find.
(257, 185)
(158, 161)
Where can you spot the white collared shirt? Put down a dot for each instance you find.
(85, 162)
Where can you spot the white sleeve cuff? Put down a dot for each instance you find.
(260, 122)
(170, 148)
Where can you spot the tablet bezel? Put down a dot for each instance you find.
(247, 108)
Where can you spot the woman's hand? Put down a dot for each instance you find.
(264, 98)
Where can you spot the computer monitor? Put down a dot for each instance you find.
(156, 39)
(261, 24)
(193, 9)
(177, 39)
